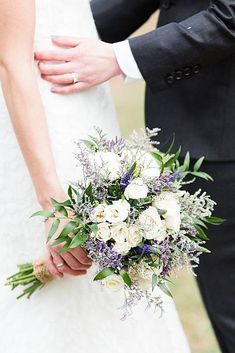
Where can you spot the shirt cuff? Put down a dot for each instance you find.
(127, 62)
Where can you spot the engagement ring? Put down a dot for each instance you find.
(75, 77)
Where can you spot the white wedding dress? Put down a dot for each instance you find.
(73, 314)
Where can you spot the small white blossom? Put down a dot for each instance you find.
(103, 233)
(99, 213)
(122, 248)
(152, 224)
(113, 282)
(167, 201)
(118, 211)
(135, 235)
(109, 164)
(119, 232)
(137, 189)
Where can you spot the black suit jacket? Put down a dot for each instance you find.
(188, 64)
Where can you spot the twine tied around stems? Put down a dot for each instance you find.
(41, 271)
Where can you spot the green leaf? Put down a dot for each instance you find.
(43, 213)
(90, 144)
(173, 159)
(157, 156)
(53, 229)
(154, 281)
(62, 210)
(171, 145)
(59, 240)
(94, 228)
(186, 161)
(202, 175)
(201, 232)
(165, 289)
(199, 222)
(65, 248)
(78, 240)
(198, 164)
(126, 278)
(204, 250)
(104, 273)
(69, 228)
(216, 221)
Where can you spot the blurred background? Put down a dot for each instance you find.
(129, 100)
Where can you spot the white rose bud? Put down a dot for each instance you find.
(135, 235)
(118, 211)
(99, 213)
(168, 202)
(113, 282)
(122, 248)
(109, 164)
(104, 232)
(136, 190)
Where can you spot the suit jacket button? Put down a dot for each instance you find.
(187, 71)
(170, 79)
(178, 75)
(196, 69)
(166, 4)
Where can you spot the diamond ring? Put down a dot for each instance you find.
(59, 265)
(75, 77)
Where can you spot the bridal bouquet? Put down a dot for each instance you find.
(131, 214)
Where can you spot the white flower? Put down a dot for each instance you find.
(118, 211)
(136, 189)
(122, 248)
(168, 202)
(152, 224)
(104, 232)
(113, 282)
(99, 213)
(119, 232)
(149, 166)
(108, 164)
(135, 235)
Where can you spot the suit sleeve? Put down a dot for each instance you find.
(117, 19)
(176, 51)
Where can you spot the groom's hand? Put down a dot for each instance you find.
(77, 64)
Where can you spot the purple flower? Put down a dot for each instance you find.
(125, 181)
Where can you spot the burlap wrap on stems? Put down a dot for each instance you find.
(41, 271)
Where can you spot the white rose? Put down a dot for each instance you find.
(118, 211)
(119, 232)
(122, 248)
(104, 232)
(109, 164)
(152, 224)
(135, 235)
(113, 282)
(99, 213)
(168, 202)
(136, 190)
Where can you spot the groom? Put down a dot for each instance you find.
(188, 64)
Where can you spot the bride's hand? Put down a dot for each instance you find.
(81, 64)
(74, 261)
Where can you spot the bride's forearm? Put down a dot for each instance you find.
(30, 126)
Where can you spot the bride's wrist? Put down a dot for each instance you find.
(44, 197)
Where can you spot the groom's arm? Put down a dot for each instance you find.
(164, 55)
(117, 19)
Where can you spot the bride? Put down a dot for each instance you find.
(37, 133)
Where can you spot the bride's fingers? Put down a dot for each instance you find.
(68, 42)
(81, 256)
(72, 262)
(51, 266)
(56, 69)
(75, 88)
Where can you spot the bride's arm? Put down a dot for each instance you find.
(17, 22)
(17, 19)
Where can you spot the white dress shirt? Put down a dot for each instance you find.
(127, 61)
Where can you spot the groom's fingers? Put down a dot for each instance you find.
(76, 88)
(66, 42)
(53, 55)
